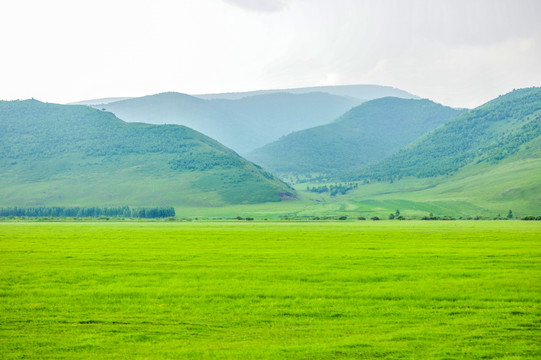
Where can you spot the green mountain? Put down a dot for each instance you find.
(364, 135)
(76, 155)
(242, 124)
(360, 92)
(508, 127)
(483, 162)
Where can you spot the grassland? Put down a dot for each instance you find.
(474, 191)
(395, 290)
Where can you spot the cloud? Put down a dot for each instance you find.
(261, 6)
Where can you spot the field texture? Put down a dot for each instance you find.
(396, 290)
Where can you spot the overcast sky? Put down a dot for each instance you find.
(455, 52)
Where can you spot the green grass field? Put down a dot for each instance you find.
(395, 290)
(478, 191)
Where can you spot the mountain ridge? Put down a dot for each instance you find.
(362, 92)
(500, 125)
(241, 124)
(363, 135)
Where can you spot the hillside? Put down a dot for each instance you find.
(243, 124)
(364, 135)
(361, 92)
(504, 128)
(75, 155)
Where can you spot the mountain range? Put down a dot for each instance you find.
(243, 124)
(361, 92)
(411, 154)
(246, 121)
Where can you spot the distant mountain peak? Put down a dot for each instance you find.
(246, 121)
(359, 91)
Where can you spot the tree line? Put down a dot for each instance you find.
(333, 189)
(88, 212)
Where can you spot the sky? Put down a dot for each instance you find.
(459, 53)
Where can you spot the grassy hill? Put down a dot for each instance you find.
(484, 162)
(242, 124)
(485, 190)
(74, 155)
(364, 135)
(509, 126)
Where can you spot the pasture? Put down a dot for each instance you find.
(271, 290)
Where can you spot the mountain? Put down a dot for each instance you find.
(242, 124)
(360, 92)
(75, 155)
(485, 161)
(364, 135)
(508, 127)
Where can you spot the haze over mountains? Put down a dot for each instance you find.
(364, 135)
(239, 124)
(75, 155)
(246, 121)
(361, 92)
(407, 153)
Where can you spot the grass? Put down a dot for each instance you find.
(394, 290)
(482, 190)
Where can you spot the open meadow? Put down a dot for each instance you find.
(271, 290)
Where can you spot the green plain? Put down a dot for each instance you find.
(271, 290)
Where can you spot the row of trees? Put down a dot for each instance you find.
(333, 189)
(531, 217)
(88, 212)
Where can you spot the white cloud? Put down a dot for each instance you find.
(459, 52)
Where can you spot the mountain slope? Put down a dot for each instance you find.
(364, 135)
(483, 162)
(361, 92)
(507, 126)
(74, 155)
(243, 124)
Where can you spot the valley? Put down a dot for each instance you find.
(413, 155)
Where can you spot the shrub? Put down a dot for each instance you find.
(531, 217)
